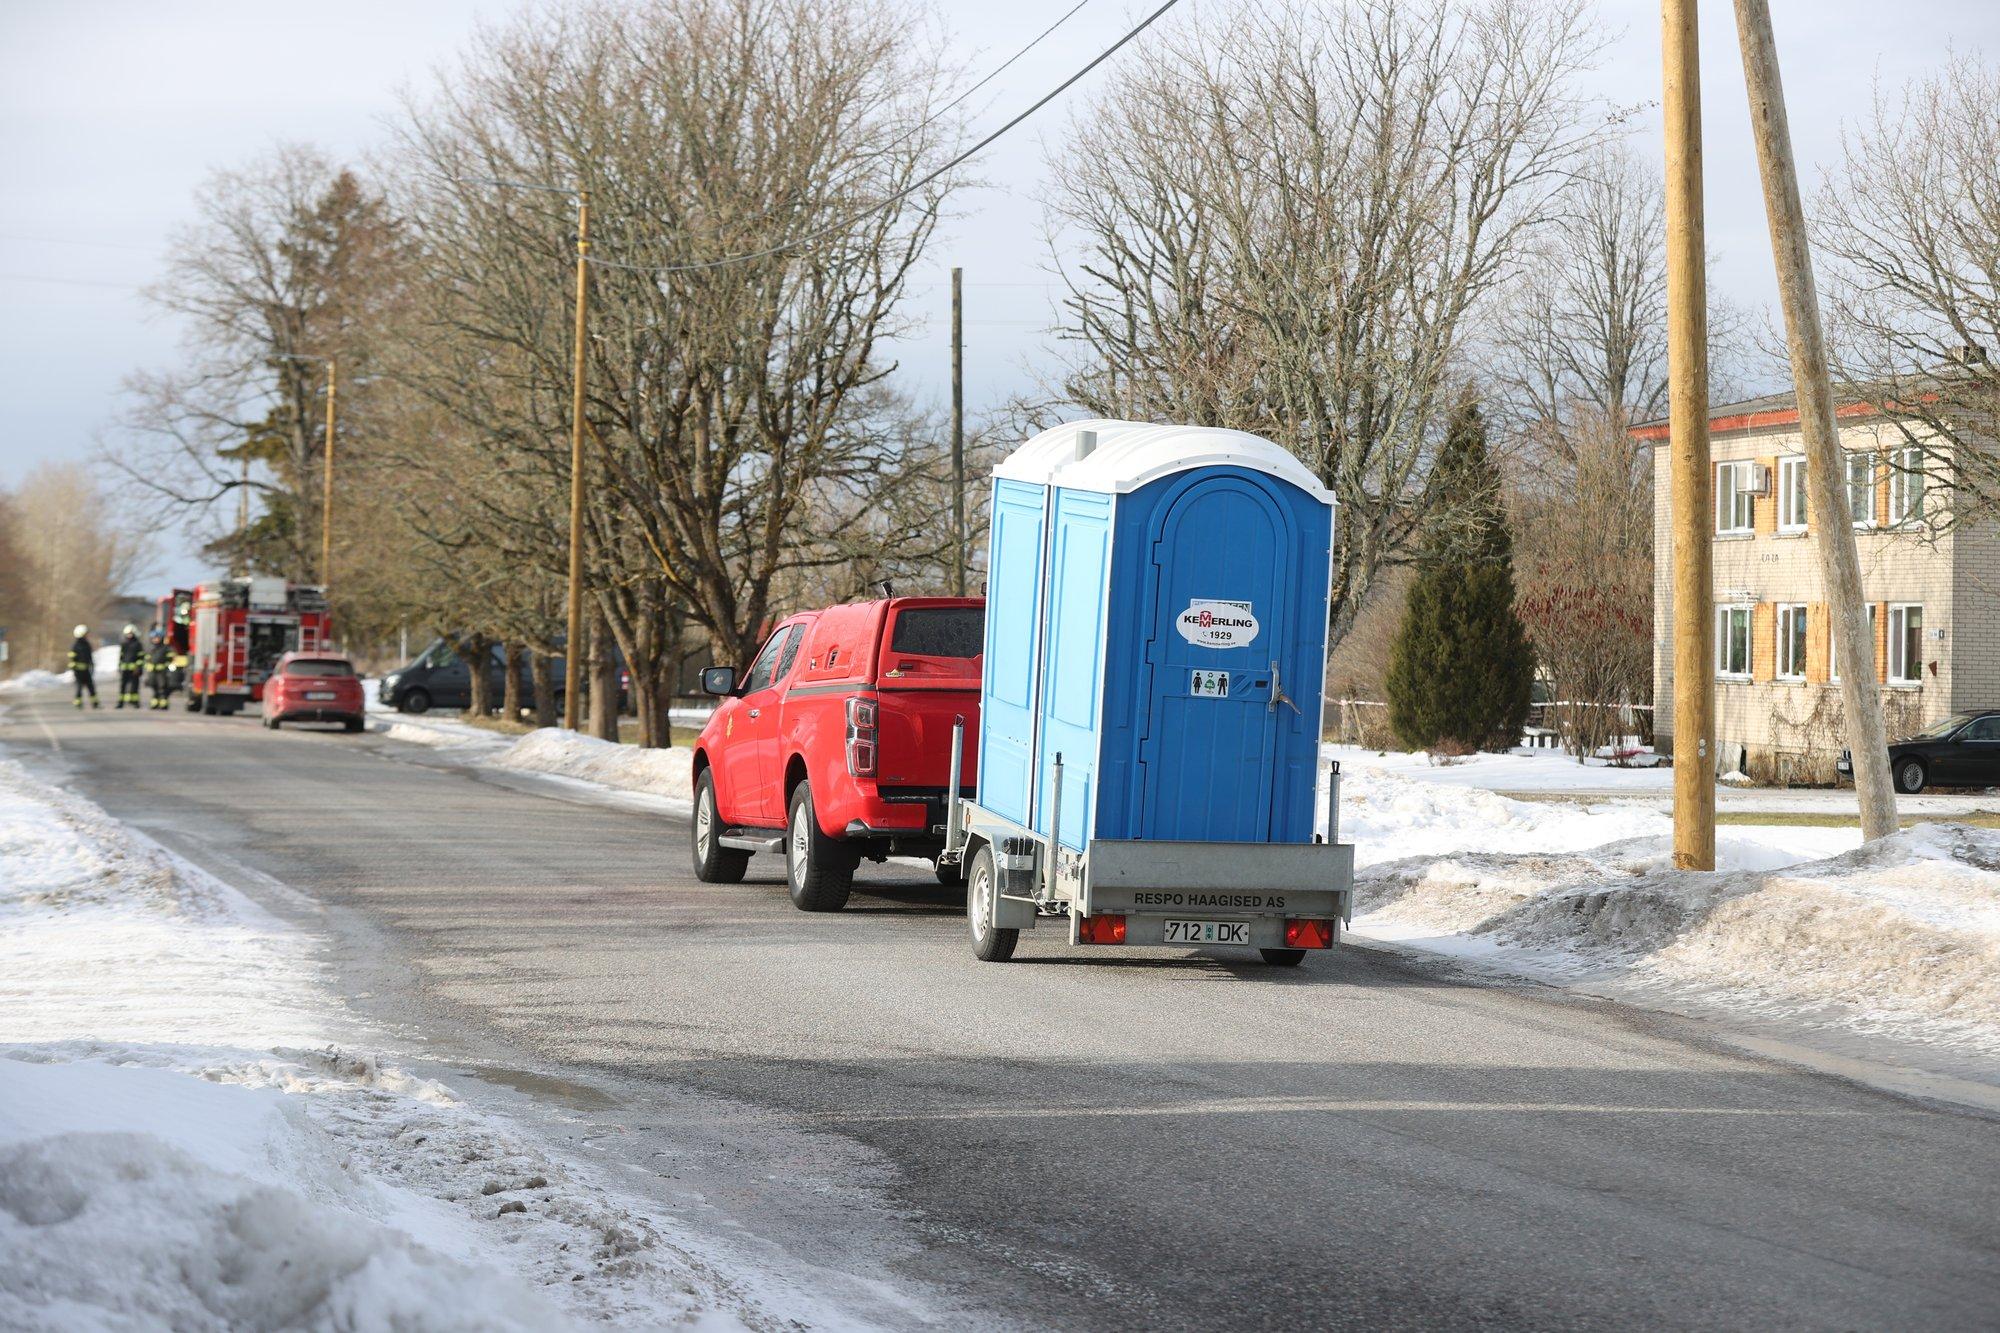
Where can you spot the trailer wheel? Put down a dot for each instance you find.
(713, 863)
(990, 944)
(1283, 957)
(819, 869)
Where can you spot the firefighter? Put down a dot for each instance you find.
(160, 669)
(131, 665)
(80, 657)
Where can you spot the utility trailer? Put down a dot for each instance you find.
(1150, 711)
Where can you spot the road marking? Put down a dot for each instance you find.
(43, 723)
(1245, 1105)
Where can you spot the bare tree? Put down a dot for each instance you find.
(1583, 560)
(72, 553)
(1908, 227)
(1285, 220)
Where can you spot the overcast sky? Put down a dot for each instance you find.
(112, 112)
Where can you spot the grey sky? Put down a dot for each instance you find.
(112, 111)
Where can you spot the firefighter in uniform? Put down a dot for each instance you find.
(160, 669)
(131, 665)
(80, 653)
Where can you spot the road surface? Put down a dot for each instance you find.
(1073, 1140)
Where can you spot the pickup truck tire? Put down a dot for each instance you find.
(990, 944)
(818, 869)
(950, 876)
(1283, 957)
(713, 863)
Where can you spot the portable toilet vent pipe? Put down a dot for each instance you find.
(1156, 614)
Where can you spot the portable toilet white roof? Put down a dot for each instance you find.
(1117, 457)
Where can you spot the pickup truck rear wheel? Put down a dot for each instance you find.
(1283, 957)
(819, 869)
(990, 944)
(951, 876)
(713, 863)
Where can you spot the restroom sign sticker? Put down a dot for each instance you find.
(1218, 624)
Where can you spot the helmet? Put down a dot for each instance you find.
(82, 631)
(156, 636)
(131, 631)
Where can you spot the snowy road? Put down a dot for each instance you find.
(1068, 1141)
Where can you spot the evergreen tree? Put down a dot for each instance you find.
(1461, 669)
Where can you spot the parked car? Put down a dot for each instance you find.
(1962, 750)
(438, 678)
(836, 744)
(313, 687)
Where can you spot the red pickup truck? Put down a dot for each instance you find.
(836, 744)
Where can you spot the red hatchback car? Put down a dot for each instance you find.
(314, 687)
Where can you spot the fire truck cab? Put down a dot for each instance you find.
(239, 630)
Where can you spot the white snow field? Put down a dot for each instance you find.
(1898, 939)
(191, 1135)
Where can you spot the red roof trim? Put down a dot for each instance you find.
(1777, 416)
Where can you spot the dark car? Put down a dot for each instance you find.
(1962, 750)
(438, 678)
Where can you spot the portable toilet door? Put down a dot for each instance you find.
(1218, 621)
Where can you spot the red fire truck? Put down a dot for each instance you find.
(241, 627)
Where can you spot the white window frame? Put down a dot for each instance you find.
(1864, 513)
(1739, 497)
(1907, 483)
(1789, 652)
(1723, 616)
(1832, 656)
(1901, 671)
(1792, 493)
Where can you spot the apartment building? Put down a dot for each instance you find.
(1933, 591)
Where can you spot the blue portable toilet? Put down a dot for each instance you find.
(1156, 615)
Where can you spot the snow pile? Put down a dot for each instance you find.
(183, 1145)
(35, 679)
(1387, 816)
(568, 754)
(1901, 936)
(1518, 770)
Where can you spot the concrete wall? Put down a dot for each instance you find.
(1792, 729)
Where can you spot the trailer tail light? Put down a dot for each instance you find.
(861, 736)
(1100, 929)
(1309, 934)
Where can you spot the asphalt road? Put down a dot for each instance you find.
(1076, 1139)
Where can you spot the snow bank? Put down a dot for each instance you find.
(1901, 936)
(188, 1141)
(36, 679)
(1387, 816)
(1517, 770)
(667, 773)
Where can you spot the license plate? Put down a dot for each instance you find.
(1209, 684)
(320, 694)
(1208, 932)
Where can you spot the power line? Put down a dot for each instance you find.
(905, 193)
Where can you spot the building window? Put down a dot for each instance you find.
(1861, 488)
(1906, 645)
(1733, 498)
(1732, 642)
(1792, 494)
(1906, 486)
(1833, 641)
(1791, 642)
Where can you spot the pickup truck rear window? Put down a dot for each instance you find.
(329, 666)
(940, 631)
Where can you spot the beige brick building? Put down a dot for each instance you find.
(1933, 591)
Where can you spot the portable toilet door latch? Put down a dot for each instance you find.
(1278, 695)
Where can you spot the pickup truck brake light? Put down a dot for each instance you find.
(861, 736)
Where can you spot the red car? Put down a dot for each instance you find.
(313, 687)
(836, 744)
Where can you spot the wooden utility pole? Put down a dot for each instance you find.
(957, 433)
(1831, 520)
(1687, 366)
(326, 486)
(574, 643)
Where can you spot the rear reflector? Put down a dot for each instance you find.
(1100, 929)
(1309, 934)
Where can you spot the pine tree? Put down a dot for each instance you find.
(1461, 669)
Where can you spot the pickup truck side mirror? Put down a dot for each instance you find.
(718, 680)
